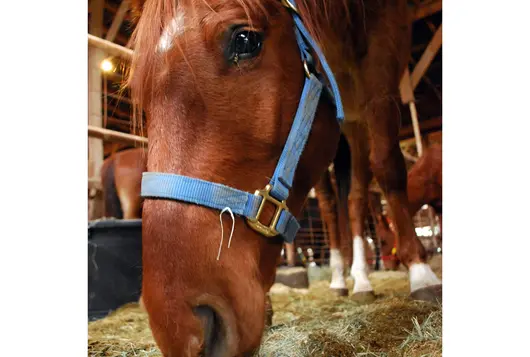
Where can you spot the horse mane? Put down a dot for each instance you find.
(317, 16)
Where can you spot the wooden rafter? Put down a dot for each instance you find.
(113, 9)
(427, 57)
(118, 20)
(425, 10)
(407, 96)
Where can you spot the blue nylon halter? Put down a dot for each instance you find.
(245, 204)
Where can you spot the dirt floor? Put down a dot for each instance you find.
(310, 322)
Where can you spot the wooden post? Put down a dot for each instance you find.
(416, 127)
(407, 97)
(95, 146)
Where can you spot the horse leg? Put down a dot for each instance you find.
(290, 254)
(328, 209)
(358, 204)
(388, 166)
(268, 310)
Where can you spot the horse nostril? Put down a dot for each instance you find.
(215, 332)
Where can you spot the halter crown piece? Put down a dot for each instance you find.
(250, 206)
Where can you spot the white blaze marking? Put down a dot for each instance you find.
(421, 276)
(337, 270)
(175, 28)
(359, 269)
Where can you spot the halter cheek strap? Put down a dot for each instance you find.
(250, 206)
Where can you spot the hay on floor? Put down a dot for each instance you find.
(310, 322)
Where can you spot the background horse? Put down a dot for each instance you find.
(220, 83)
(425, 181)
(424, 186)
(121, 177)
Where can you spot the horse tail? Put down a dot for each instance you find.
(110, 195)
(342, 170)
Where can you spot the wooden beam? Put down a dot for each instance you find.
(407, 97)
(110, 47)
(113, 9)
(426, 10)
(118, 20)
(120, 98)
(111, 135)
(95, 147)
(122, 124)
(416, 127)
(405, 88)
(427, 57)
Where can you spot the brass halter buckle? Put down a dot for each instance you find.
(255, 224)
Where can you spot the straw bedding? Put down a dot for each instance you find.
(310, 322)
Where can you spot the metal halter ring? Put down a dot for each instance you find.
(306, 70)
(290, 6)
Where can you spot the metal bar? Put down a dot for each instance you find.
(110, 47)
(111, 135)
(416, 127)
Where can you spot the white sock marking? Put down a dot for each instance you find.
(337, 269)
(359, 269)
(421, 276)
(175, 28)
(382, 264)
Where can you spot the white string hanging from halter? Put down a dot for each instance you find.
(226, 209)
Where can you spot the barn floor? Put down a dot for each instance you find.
(310, 322)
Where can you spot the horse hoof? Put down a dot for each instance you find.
(364, 297)
(339, 291)
(431, 293)
(268, 318)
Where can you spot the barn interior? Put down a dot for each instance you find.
(125, 332)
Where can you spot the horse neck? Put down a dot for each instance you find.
(334, 25)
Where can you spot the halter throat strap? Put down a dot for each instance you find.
(218, 196)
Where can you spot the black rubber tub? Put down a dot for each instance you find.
(114, 265)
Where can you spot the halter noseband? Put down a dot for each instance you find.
(250, 206)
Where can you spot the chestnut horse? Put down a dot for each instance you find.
(424, 186)
(220, 83)
(425, 181)
(121, 177)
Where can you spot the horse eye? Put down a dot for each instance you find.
(245, 44)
